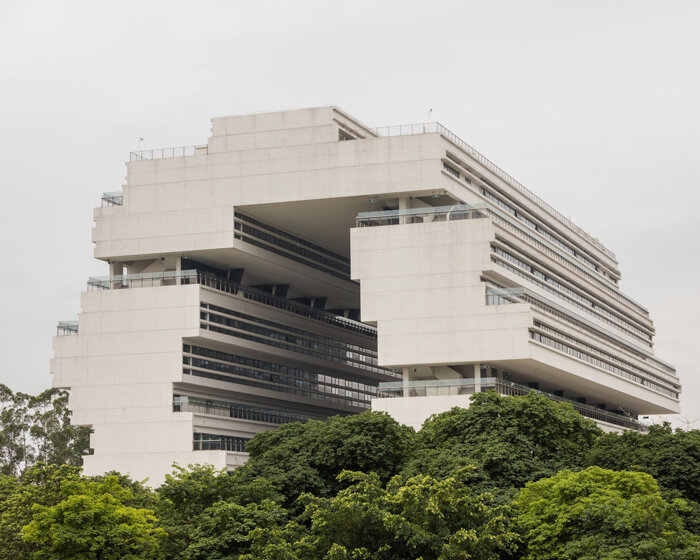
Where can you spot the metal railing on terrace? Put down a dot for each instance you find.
(216, 442)
(504, 296)
(463, 386)
(234, 410)
(481, 210)
(172, 278)
(163, 153)
(419, 215)
(498, 296)
(115, 198)
(422, 128)
(67, 327)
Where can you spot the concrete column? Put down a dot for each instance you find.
(116, 270)
(477, 378)
(406, 380)
(178, 270)
(404, 204)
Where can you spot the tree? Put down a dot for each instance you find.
(38, 428)
(416, 518)
(601, 514)
(39, 485)
(92, 522)
(671, 457)
(225, 529)
(308, 457)
(194, 504)
(512, 440)
(15, 451)
(56, 439)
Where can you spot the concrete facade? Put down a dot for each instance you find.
(301, 265)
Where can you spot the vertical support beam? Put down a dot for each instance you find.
(116, 271)
(404, 204)
(178, 270)
(406, 380)
(477, 378)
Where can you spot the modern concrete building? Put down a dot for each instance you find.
(301, 264)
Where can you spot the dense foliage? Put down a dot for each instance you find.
(598, 513)
(509, 478)
(511, 440)
(37, 428)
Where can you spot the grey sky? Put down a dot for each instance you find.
(594, 105)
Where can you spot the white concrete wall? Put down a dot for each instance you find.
(421, 284)
(120, 369)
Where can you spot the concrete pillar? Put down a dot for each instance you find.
(178, 270)
(477, 378)
(404, 204)
(116, 271)
(406, 381)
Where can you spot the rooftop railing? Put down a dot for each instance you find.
(162, 153)
(115, 198)
(418, 215)
(463, 386)
(422, 128)
(171, 278)
(67, 327)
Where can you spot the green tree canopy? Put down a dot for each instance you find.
(194, 504)
(38, 428)
(416, 518)
(671, 457)
(91, 522)
(601, 514)
(512, 440)
(308, 457)
(39, 485)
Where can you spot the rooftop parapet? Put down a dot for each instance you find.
(436, 127)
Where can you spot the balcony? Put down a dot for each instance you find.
(463, 386)
(66, 327)
(217, 442)
(419, 215)
(172, 278)
(115, 198)
(183, 403)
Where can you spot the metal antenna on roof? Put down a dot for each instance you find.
(426, 125)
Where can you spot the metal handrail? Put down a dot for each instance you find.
(163, 153)
(115, 198)
(446, 213)
(212, 281)
(394, 389)
(67, 327)
(390, 217)
(436, 127)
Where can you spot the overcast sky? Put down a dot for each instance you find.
(594, 105)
